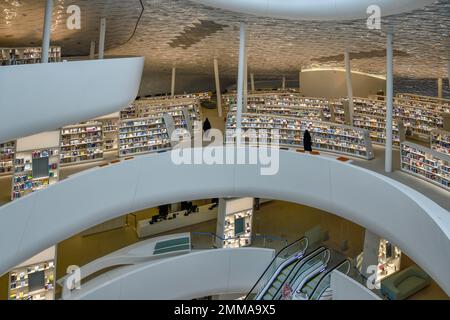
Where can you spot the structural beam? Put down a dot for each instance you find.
(245, 94)
(389, 100)
(440, 90)
(252, 82)
(101, 42)
(47, 31)
(172, 86)
(348, 78)
(240, 82)
(92, 50)
(218, 92)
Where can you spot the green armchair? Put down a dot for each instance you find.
(405, 283)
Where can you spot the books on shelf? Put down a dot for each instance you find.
(33, 282)
(426, 164)
(325, 135)
(27, 55)
(110, 129)
(7, 151)
(440, 141)
(82, 143)
(34, 170)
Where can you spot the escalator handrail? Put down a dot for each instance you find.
(302, 262)
(274, 259)
(323, 265)
(325, 275)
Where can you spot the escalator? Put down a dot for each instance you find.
(278, 270)
(294, 270)
(318, 287)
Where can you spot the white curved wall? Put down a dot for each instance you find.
(194, 275)
(416, 224)
(314, 9)
(40, 97)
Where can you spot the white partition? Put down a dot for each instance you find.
(40, 97)
(195, 275)
(346, 288)
(388, 208)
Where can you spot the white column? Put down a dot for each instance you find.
(448, 72)
(240, 82)
(252, 82)
(440, 88)
(92, 51)
(245, 94)
(283, 84)
(389, 101)
(47, 31)
(370, 253)
(101, 42)
(172, 86)
(348, 77)
(219, 95)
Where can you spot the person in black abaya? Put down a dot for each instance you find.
(307, 143)
(206, 126)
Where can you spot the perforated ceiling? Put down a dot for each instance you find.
(189, 35)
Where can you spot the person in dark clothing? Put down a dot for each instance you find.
(206, 126)
(307, 143)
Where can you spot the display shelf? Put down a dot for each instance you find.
(129, 112)
(235, 222)
(27, 55)
(326, 136)
(426, 163)
(432, 102)
(33, 282)
(199, 96)
(143, 135)
(174, 107)
(440, 141)
(34, 170)
(82, 143)
(377, 127)
(110, 130)
(389, 258)
(7, 151)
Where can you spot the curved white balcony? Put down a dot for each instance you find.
(42, 97)
(388, 208)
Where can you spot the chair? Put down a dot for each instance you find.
(403, 284)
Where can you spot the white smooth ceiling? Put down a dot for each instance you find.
(316, 9)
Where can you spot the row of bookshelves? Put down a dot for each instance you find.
(426, 163)
(325, 135)
(28, 55)
(440, 141)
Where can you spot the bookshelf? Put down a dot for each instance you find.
(35, 278)
(426, 163)
(326, 136)
(110, 131)
(434, 101)
(143, 135)
(389, 259)
(34, 170)
(82, 143)
(376, 126)
(129, 112)
(27, 55)
(7, 151)
(174, 107)
(235, 222)
(440, 141)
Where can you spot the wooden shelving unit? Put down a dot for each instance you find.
(7, 151)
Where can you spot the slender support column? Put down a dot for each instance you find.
(245, 94)
(101, 42)
(92, 50)
(348, 77)
(252, 82)
(47, 31)
(300, 80)
(389, 100)
(370, 253)
(240, 88)
(440, 88)
(172, 86)
(283, 83)
(448, 72)
(218, 92)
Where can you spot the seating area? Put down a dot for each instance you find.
(404, 284)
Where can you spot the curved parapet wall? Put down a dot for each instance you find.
(417, 225)
(42, 97)
(194, 275)
(316, 10)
